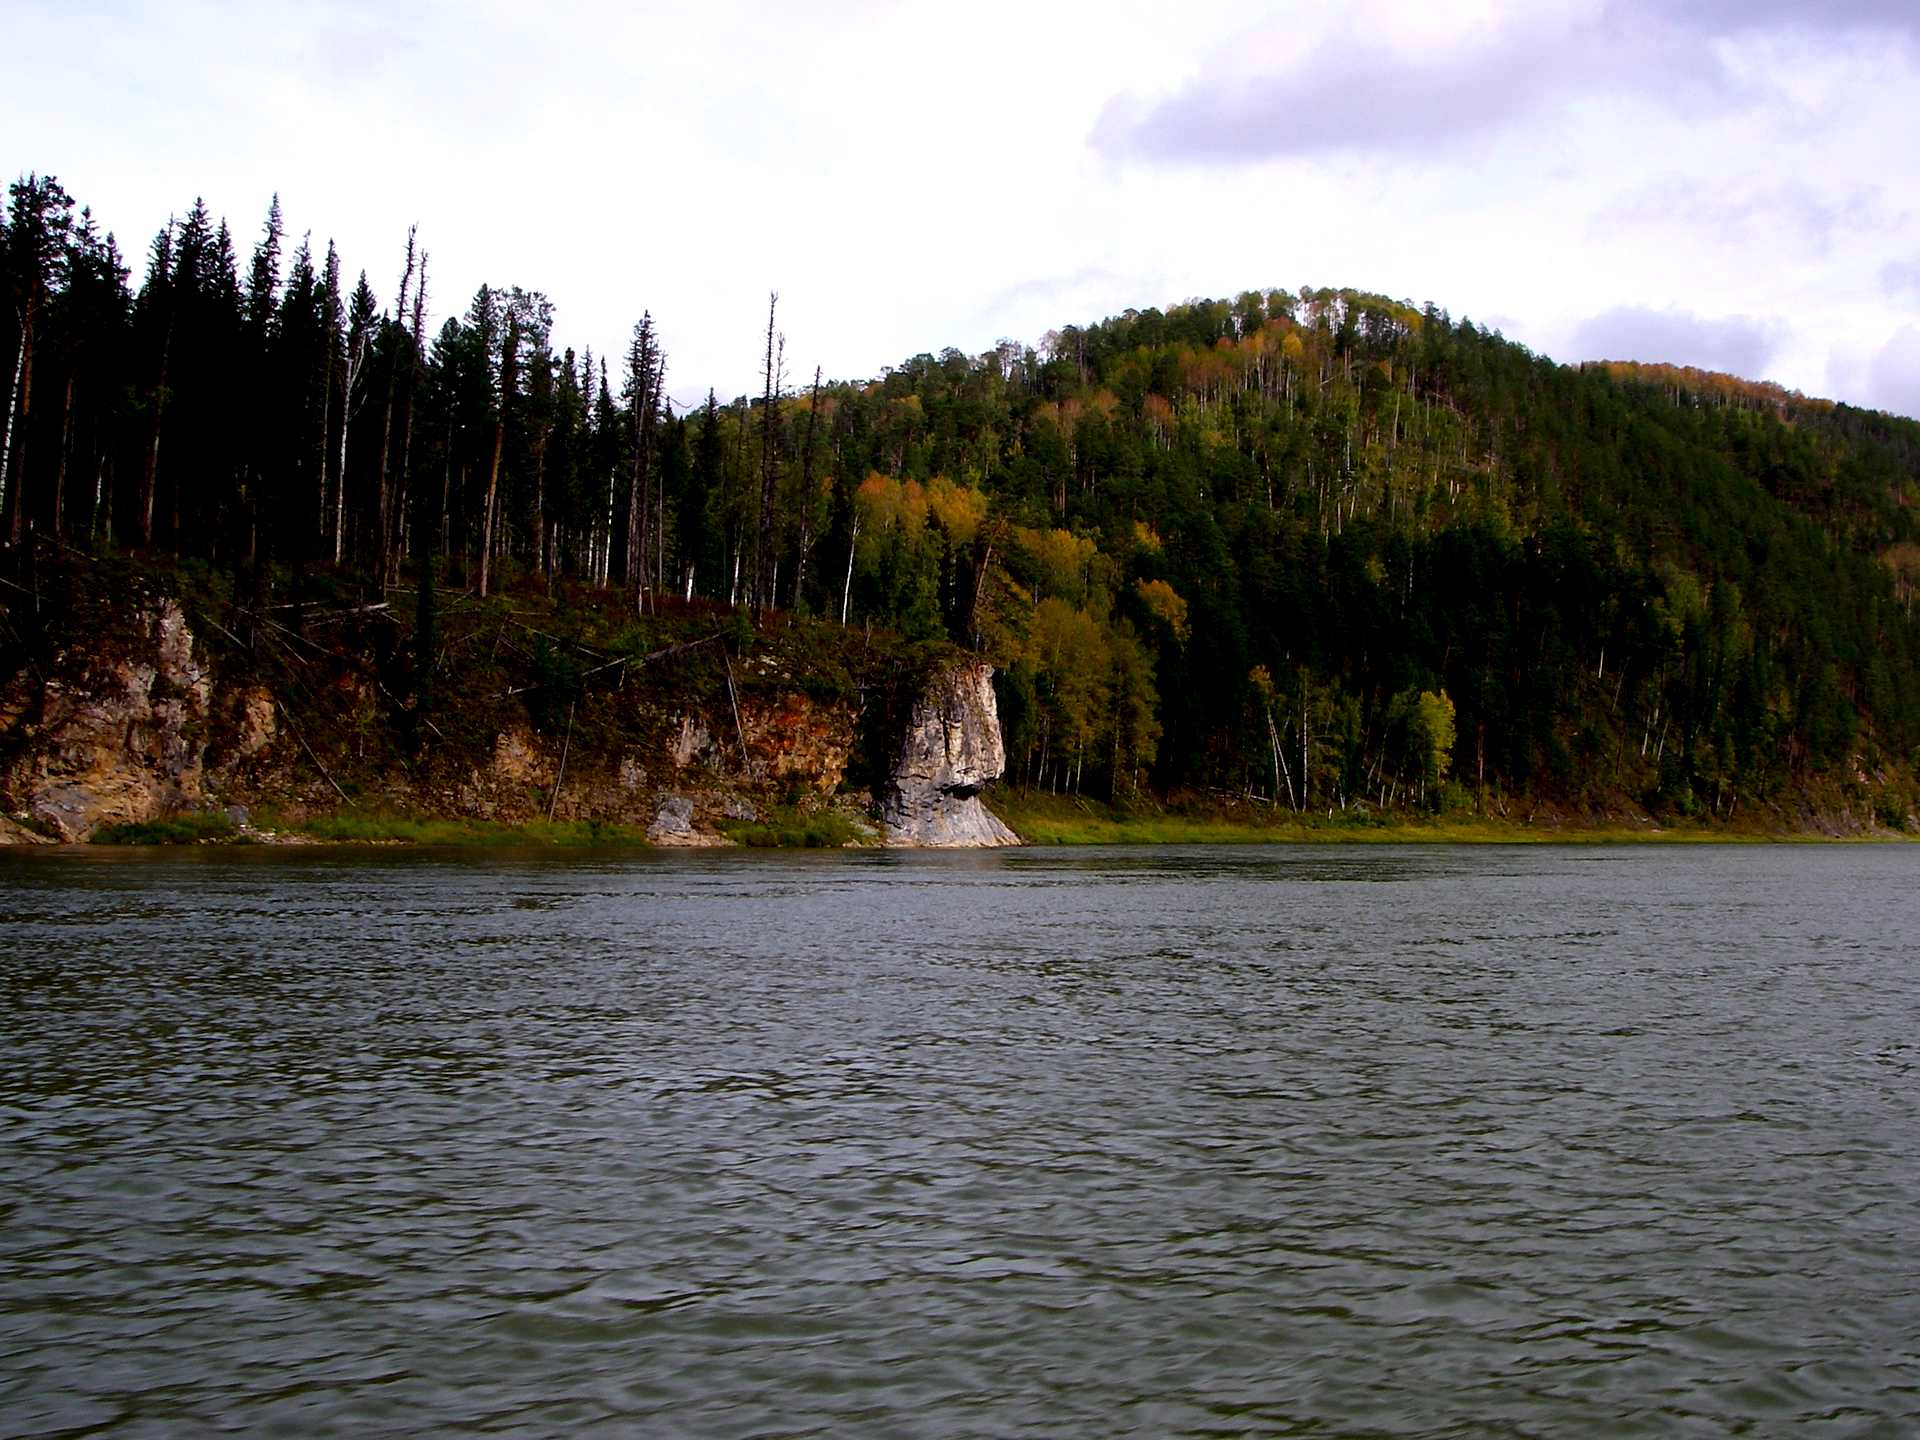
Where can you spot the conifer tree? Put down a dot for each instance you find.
(645, 370)
(38, 220)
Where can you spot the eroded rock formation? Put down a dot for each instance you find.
(133, 720)
(952, 748)
(109, 740)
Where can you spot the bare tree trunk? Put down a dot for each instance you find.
(846, 592)
(1304, 772)
(486, 512)
(100, 526)
(60, 467)
(605, 575)
(763, 546)
(356, 355)
(382, 500)
(1280, 766)
(150, 472)
(20, 373)
(402, 510)
(806, 492)
(660, 492)
(508, 354)
(981, 566)
(540, 531)
(636, 574)
(13, 500)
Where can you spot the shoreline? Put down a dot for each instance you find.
(1055, 820)
(1048, 822)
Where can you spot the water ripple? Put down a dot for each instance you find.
(1336, 1143)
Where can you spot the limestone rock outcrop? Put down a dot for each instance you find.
(673, 825)
(117, 739)
(951, 750)
(14, 833)
(125, 717)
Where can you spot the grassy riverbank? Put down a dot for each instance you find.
(1043, 819)
(367, 828)
(777, 827)
(1038, 818)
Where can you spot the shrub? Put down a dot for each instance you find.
(191, 829)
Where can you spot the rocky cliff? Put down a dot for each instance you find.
(139, 720)
(109, 734)
(951, 750)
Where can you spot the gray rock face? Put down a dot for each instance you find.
(673, 824)
(951, 750)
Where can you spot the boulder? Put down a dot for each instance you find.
(673, 826)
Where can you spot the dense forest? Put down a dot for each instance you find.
(1323, 547)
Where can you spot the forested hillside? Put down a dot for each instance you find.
(1324, 546)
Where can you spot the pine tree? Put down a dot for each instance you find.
(39, 219)
(154, 317)
(362, 312)
(90, 321)
(644, 375)
(698, 546)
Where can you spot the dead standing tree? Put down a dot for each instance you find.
(763, 543)
(509, 356)
(806, 494)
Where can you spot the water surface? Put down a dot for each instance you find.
(1330, 1142)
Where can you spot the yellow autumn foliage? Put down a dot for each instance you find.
(888, 505)
(1063, 559)
(960, 509)
(1163, 602)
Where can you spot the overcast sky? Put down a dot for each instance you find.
(1726, 183)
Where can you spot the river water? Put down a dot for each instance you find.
(1199, 1142)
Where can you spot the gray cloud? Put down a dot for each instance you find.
(1893, 375)
(1737, 344)
(1749, 211)
(1349, 93)
(1728, 17)
(1346, 93)
(1902, 278)
(1339, 96)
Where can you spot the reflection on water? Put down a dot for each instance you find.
(1189, 1142)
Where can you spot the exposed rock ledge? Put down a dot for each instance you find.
(952, 748)
(14, 833)
(136, 725)
(114, 739)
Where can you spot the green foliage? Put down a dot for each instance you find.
(379, 827)
(789, 828)
(187, 829)
(1423, 725)
(1593, 583)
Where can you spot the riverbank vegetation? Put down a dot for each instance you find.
(364, 827)
(1321, 549)
(1042, 819)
